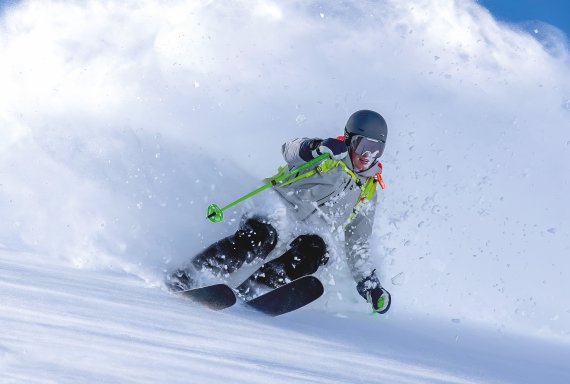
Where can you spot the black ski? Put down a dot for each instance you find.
(279, 301)
(288, 297)
(266, 289)
(217, 296)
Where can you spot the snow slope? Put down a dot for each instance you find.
(121, 121)
(62, 325)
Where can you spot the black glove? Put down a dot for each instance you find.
(337, 149)
(371, 290)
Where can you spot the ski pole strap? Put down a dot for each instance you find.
(324, 167)
(282, 174)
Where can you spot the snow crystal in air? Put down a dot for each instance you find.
(399, 279)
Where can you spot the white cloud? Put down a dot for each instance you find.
(268, 9)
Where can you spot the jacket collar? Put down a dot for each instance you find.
(364, 174)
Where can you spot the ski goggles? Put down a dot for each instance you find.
(365, 146)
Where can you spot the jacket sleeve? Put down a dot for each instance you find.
(298, 151)
(357, 241)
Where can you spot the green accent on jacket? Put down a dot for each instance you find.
(366, 191)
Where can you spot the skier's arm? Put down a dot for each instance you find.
(357, 239)
(299, 151)
(357, 242)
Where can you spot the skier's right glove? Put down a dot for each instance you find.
(337, 149)
(371, 290)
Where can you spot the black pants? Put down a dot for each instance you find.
(254, 240)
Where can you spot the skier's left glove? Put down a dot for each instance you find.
(371, 290)
(337, 149)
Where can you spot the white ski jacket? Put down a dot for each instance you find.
(332, 197)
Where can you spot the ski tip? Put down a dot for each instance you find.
(216, 297)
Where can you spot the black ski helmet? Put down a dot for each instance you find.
(366, 123)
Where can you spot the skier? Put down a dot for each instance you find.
(339, 192)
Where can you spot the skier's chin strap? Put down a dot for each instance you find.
(367, 189)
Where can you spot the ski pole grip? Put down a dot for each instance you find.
(299, 168)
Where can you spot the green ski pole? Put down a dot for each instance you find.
(216, 214)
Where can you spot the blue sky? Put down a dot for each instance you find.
(5, 2)
(555, 12)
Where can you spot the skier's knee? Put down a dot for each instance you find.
(254, 239)
(313, 247)
(256, 235)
